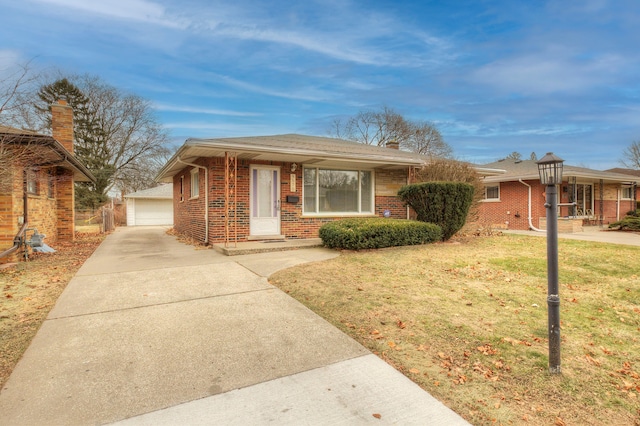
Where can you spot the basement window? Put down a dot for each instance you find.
(195, 182)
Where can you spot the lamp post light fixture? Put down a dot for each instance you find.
(550, 168)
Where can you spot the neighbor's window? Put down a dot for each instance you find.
(492, 192)
(627, 192)
(32, 181)
(195, 182)
(51, 183)
(181, 188)
(329, 191)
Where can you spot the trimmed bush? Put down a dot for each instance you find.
(444, 203)
(373, 233)
(629, 223)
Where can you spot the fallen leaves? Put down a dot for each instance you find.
(487, 349)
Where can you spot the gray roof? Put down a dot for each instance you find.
(301, 149)
(528, 170)
(163, 191)
(50, 151)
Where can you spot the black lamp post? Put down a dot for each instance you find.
(550, 168)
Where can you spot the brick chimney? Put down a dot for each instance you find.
(62, 131)
(62, 124)
(393, 144)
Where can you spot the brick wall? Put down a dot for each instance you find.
(511, 211)
(51, 213)
(9, 212)
(189, 214)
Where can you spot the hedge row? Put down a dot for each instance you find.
(372, 233)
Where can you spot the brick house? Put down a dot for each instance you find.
(37, 183)
(514, 199)
(281, 187)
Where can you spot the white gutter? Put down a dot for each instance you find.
(529, 207)
(206, 196)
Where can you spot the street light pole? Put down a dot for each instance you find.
(550, 168)
(553, 298)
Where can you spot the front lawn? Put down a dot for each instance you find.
(467, 321)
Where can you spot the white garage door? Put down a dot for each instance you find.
(153, 212)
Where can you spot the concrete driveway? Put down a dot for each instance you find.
(152, 331)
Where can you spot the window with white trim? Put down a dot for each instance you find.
(492, 193)
(626, 192)
(333, 191)
(195, 182)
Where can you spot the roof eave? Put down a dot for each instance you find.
(216, 149)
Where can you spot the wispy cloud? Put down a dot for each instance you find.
(135, 10)
(308, 93)
(545, 73)
(208, 111)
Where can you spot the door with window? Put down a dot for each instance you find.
(265, 200)
(584, 198)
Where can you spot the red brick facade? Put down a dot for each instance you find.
(511, 210)
(189, 212)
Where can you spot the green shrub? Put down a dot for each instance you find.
(372, 233)
(629, 223)
(444, 203)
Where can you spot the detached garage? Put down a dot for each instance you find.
(153, 206)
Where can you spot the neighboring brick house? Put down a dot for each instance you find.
(285, 186)
(37, 184)
(515, 199)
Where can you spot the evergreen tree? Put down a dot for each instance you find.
(87, 137)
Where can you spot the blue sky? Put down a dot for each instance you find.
(494, 76)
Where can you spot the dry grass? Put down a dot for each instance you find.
(467, 321)
(28, 291)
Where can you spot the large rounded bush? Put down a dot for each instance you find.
(444, 203)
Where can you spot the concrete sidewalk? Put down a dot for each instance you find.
(152, 331)
(590, 233)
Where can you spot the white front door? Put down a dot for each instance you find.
(265, 200)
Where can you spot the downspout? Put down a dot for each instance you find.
(18, 239)
(206, 197)
(529, 207)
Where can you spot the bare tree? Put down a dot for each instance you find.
(380, 127)
(14, 87)
(116, 134)
(631, 158)
(514, 156)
